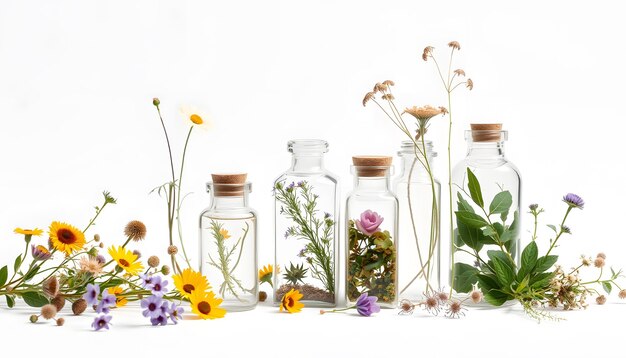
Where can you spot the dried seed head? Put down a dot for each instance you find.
(137, 253)
(262, 296)
(79, 306)
(428, 51)
(455, 309)
(622, 294)
(423, 113)
(34, 318)
(135, 230)
(388, 97)
(602, 255)
(442, 296)
(469, 84)
(153, 261)
(406, 307)
(455, 45)
(585, 261)
(96, 238)
(51, 287)
(601, 299)
(165, 270)
(389, 83)
(459, 72)
(58, 302)
(172, 250)
(598, 262)
(368, 97)
(48, 311)
(60, 321)
(379, 87)
(101, 245)
(443, 110)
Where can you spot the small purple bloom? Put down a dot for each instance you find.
(146, 280)
(108, 301)
(175, 313)
(101, 322)
(366, 305)
(153, 306)
(574, 201)
(40, 253)
(101, 260)
(158, 286)
(161, 319)
(327, 215)
(369, 223)
(91, 295)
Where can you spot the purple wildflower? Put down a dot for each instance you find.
(161, 319)
(101, 260)
(175, 313)
(146, 280)
(327, 215)
(153, 306)
(101, 322)
(91, 294)
(574, 201)
(366, 305)
(108, 301)
(158, 286)
(40, 253)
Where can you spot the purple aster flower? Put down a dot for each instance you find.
(107, 301)
(574, 201)
(101, 322)
(366, 305)
(175, 313)
(101, 260)
(161, 319)
(153, 306)
(91, 295)
(146, 280)
(40, 253)
(158, 286)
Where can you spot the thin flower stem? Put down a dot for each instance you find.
(179, 202)
(451, 210)
(569, 208)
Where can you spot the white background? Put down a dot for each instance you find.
(77, 80)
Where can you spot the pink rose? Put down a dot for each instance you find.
(369, 223)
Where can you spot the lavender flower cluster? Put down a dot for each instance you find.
(159, 310)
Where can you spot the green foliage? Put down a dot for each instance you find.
(465, 277)
(295, 273)
(35, 299)
(225, 257)
(4, 273)
(371, 264)
(474, 188)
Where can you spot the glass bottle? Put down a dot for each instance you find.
(372, 226)
(306, 230)
(419, 196)
(228, 243)
(499, 193)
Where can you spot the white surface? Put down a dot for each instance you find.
(77, 79)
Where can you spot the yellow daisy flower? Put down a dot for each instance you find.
(120, 301)
(206, 305)
(126, 260)
(225, 234)
(291, 302)
(33, 232)
(190, 281)
(195, 117)
(65, 237)
(266, 274)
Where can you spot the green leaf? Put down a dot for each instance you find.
(30, 274)
(503, 271)
(470, 236)
(465, 277)
(4, 274)
(10, 301)
(471, 219)
(607, 287)
(515, 222)
(507, 236)
(499, 228)
(553, 228)
(496, 298)
(545, 262)
(542, 280)
(487, 282)
(474, 188)
(489, 231)
(491, 290)
(18, 262)
(528, 260)
(522, 284)
(504, 216)
(463, 205)
(35, 299)
(501, 203)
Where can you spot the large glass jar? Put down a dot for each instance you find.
(306, 229)
(419, 195)
(228, 247)
(372, 227)
(486, 185)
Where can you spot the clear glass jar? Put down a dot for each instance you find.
(500, 188)
(228, 243)
(419, 196)
(372, 226)
(306, 229)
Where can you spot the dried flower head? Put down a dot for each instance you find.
(442, 296)
(598, 262)
(172, 250)
(455, 45)
(91, 265)
(585, 261)
(469, 84)
(389, 83)
(423, 113)
(79, 306)
(48, 311)
(406, 307)
(431, 304)
(262, 296)
(443, 110)
(96, 238)
(50, 286)
(622, 294)
(153, 261)
(455, 309)
(60, 321)
(138, 253)
(476, 295)
(368, 97)
(602, 255)
(388, 97)
(428, 51)
(58, 302)
(135, 230)
(380, 87)
(601, 299)
(459, 72)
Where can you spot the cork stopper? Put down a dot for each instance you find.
(229, 184)
(371, 166)
(486, 132)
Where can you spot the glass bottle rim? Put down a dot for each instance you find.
(408, 148)
(229, 190)
(307, 146)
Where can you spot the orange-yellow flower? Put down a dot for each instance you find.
(291, 302)
(65, 237)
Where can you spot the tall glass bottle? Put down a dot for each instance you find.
(228, 244)
(372, 227)
(306, 229)
(486, 184)
(419, 196)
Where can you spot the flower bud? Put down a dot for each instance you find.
(165, 270)
(34, 318)
(153, 261)
(155, 101)
(79, 306)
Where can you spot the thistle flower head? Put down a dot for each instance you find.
(135, 230)
(574, 201)
(153, 261)
(455, 45)
(455, 310)
(431, 304)
(406, 307)
(48, 311)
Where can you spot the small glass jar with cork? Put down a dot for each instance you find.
(228, 243)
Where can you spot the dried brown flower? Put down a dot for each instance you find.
(431, 304)
(442, 296)
(96, 238)
(406, 307)
(48, 311)
(388, 97)
(58, 302)
(585, 261)
(598, 262)
(389, 83)
(91, 265)
(443, 110)
(602, 255)
(153, 261)
(137, 253)
(459, 72)
(601, 299)
(60, 321)
(135, 230)
(428, 51)
(455, 310)
(476, 295)
(262, 296)
(622, 294)
(455, 45)
(379, 87)
(423, 113)
(368, 97)
(172, 250)
(79, 306)
(50, 287)
(469, 84)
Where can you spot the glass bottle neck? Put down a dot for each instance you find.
(309, 163)
(373, 184)
(229, 202)
(485, 150)
(412, 163)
